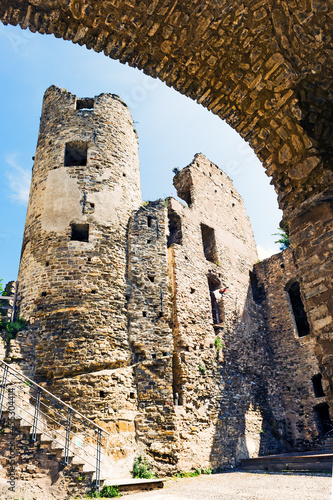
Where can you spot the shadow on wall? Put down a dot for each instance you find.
(246, 426)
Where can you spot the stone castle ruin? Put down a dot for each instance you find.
(152, 318)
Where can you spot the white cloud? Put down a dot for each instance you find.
(19, 180)
(264, 253)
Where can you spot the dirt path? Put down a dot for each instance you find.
(243, 485)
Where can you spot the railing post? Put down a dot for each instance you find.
(36, 415)
(98, 459)
(68, 432)
(3, 387)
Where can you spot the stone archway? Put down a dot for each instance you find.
(262, 65)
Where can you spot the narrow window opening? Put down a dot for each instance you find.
(298, 309)
(177, 380)
(80, 232)
(132, 395)
(148, 241)
(87, 103)
(43, 294)
(144, 314)
(47, 263)
(323, 421)
(258, 292)
(216, 298)
(151, 278)
(209, 243)
(76, 154)
(317, 386)
(192, 290)
(149, 220)
(101, 394)
(175, 228)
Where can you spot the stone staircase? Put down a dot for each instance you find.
(51, 439)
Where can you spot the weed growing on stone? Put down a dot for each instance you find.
(218, 343)
(202, 369)
(14, 327)
(194, 473)
(141, 469)
(105, 492)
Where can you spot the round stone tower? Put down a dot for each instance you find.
(72, 277)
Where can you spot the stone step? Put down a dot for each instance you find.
(318, 461)
(134, 484)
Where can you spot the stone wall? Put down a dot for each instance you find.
(150, 334)
(72, 277)
(85, 184)
(293, 357)
(221, 361)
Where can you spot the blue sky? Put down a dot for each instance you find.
(171, 128)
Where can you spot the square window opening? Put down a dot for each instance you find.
(80, 232)
(87, 103)
(76, 154)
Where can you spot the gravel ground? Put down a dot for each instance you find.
(239, 485)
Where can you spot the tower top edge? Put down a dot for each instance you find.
(53, 89)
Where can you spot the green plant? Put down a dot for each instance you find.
(80, 478)
(141, 468)
(14, 327)
(193, 473)
(105, 492)
(207, 471)
(283, 239)
(145, 203)
(218, 343)
(202, 369)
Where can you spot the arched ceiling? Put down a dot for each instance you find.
(262, 65)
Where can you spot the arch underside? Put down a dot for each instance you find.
(262, 65)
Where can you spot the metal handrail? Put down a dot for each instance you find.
(43, 432)
(54, 440)
(50, 418)
(74, 418)
(62, 403)
(46, 415)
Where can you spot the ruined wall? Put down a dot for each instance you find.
(220, 362)
(150, 334)
(293, 358)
